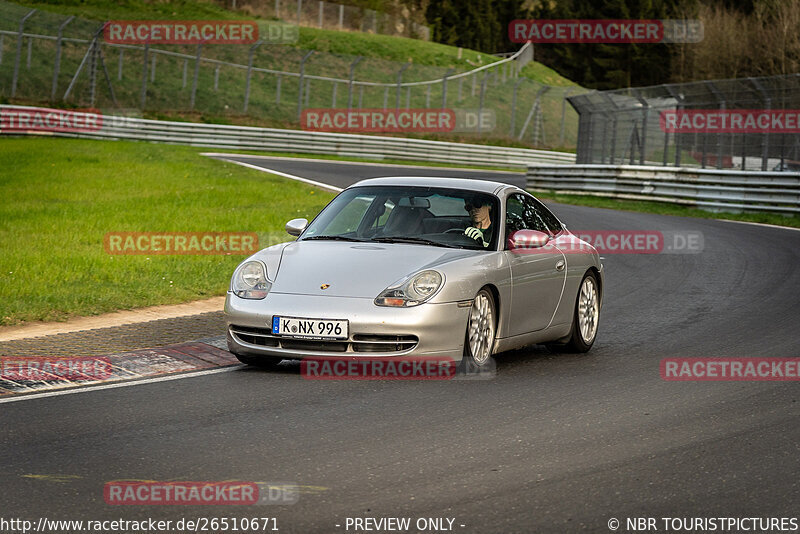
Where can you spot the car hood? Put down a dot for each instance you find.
(359, 270)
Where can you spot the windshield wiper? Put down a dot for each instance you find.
(333, 238)
(413, 240)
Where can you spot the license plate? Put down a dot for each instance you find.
(309, 328)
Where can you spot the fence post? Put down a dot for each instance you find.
(562, 133)
(428, 96)
(107, 76)
(536, 104)
(278, 9)
(185, 72)
(333, 96)
(299, 9)
(385, 96)
(645, 113)
(352, 75)
(444, 86)
(341, 16)
(77, 73)
(321, 12)
(30, 52)
(613, 121)
(514, 106)
(196, 73)
(153, 67)
(250, 54)
(19, 52)
(119, 64)
(302, 73)
(93, 72)
(399, 83)
(216, 78)
(768, 106)
(278, 91)
(2, 44)
(480, 101)
(57, 64)
(143, 94)
(308, 91)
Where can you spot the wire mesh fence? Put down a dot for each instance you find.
(334, 16)
(747, 123)
(64, 61)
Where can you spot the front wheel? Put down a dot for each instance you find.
(480, 335)
(587, 315)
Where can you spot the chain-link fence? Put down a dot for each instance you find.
(334, 16)
(64, 61)
(747, 123)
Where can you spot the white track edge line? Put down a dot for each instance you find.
(58, 393)
(761, 224)
(347, 162)
(285, 175)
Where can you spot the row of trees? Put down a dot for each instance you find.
(742, 37)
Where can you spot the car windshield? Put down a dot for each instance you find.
(425, 215)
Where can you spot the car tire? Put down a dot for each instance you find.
(263, 362)
(586, 316)
(481, 331)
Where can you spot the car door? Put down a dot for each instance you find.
(537, 275)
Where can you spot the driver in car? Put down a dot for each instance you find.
(480, 211)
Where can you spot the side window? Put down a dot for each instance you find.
(521, 214)
(550, 220)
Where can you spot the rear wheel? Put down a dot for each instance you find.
(480, 334)
(586, 316)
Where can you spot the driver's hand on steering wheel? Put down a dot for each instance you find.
(476, 234)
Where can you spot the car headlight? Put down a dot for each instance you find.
(250, 281)
(411, 291)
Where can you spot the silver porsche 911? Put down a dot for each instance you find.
(417, 267)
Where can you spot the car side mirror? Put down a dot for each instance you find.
(296, 227)
(527, 239)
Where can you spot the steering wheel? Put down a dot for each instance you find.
(453, 231)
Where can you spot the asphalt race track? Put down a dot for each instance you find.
(554, 443)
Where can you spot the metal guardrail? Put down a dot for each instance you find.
(713, 190)
(298, 141)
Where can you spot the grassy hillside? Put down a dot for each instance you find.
(273, 99)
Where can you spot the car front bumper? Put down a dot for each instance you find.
(424, 331)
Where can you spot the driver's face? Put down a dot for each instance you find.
(477, 213)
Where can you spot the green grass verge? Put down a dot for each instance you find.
(662, 208)
(61, 196)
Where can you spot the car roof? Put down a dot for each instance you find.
(468, 184)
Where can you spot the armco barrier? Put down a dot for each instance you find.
(297, 141)
(714, 190)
